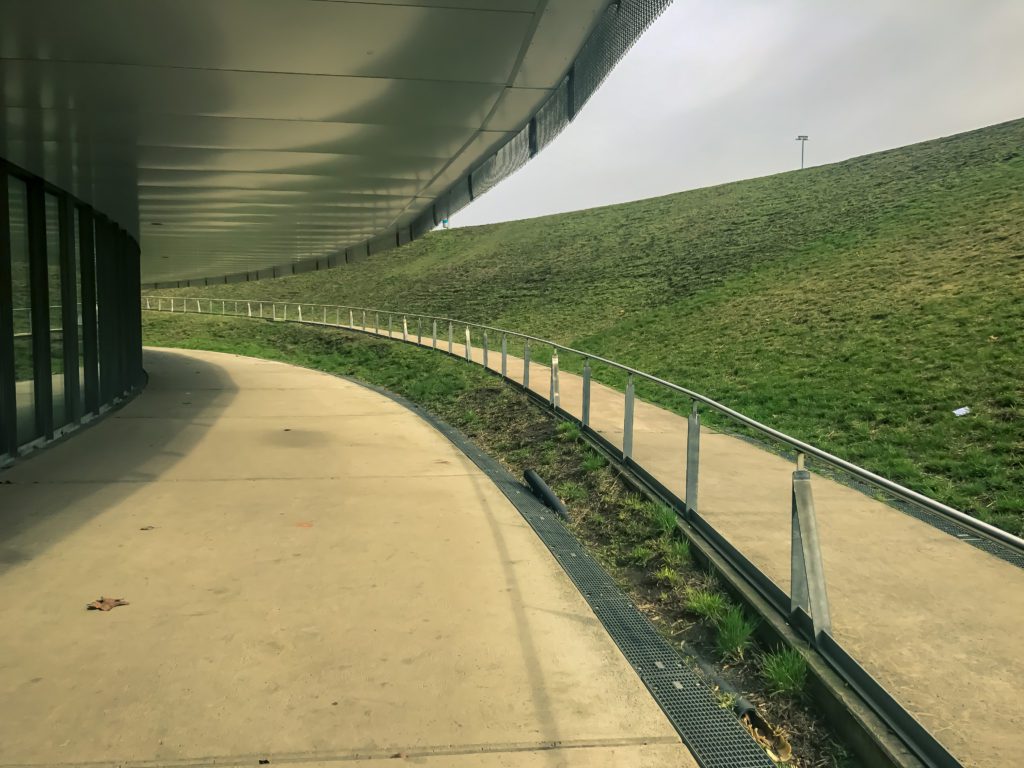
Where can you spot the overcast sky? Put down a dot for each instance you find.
(718, 91)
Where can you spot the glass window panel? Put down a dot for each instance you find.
(25, 395)
(96, 294)
(53, 281)
(78, 309)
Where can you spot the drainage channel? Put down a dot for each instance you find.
(712, 733)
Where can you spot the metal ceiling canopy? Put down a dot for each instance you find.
(240, 139)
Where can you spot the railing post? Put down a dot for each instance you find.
(351, 319)
(337, 316)
(434, 335)
(236, 308)
(286, 312)
(261, 309)
(469, 346)
(248, 308)
(274, 309)
(554, 396)
(485, 349)
(376, 323)
(300, 313)
(627, 420)
(147, 302)
(363, 326)
(504, 356)
(585, 410)
(405, 328)
(692, 459)
(451, 345)
(526, 364)
(199, 307)
(419, 330)
(807, 575)
(325, 316)
(223, 307)
(390, 332)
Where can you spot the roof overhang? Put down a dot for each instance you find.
(246, 138)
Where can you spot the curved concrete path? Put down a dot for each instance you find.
(315, 576)
(939, 623)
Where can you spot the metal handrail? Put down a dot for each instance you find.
(865, 475)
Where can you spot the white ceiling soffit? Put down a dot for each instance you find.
(247, 138)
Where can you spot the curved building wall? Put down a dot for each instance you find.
(70, 323)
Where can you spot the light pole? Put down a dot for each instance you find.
(803, 140)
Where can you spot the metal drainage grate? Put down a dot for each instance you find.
(714, 736)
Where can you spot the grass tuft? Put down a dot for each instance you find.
(662, 519)
(640, 555)
(784, 672)
(594, 462)
(706, 604)
(676, 552)
(734, 633)
(667, 577)
(568, 431)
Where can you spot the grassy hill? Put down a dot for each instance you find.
(853, 305)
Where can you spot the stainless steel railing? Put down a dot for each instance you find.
(370, 319)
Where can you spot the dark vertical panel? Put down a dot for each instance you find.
(104, 308)
(8, 403)
(21, 291)
(117, 309)
(123, 313)
(87, 250)
(69, 314)
(40, 307)
(135, 302)
(76, 257)
(55, 308)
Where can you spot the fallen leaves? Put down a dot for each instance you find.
(771, 739)
(105, 604)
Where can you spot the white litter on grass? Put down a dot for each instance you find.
(961, 411)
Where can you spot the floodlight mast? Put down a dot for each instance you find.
(803, 140)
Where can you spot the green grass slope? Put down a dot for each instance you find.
(853, 305)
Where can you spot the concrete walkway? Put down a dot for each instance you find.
(315, 576)
(939, 623)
